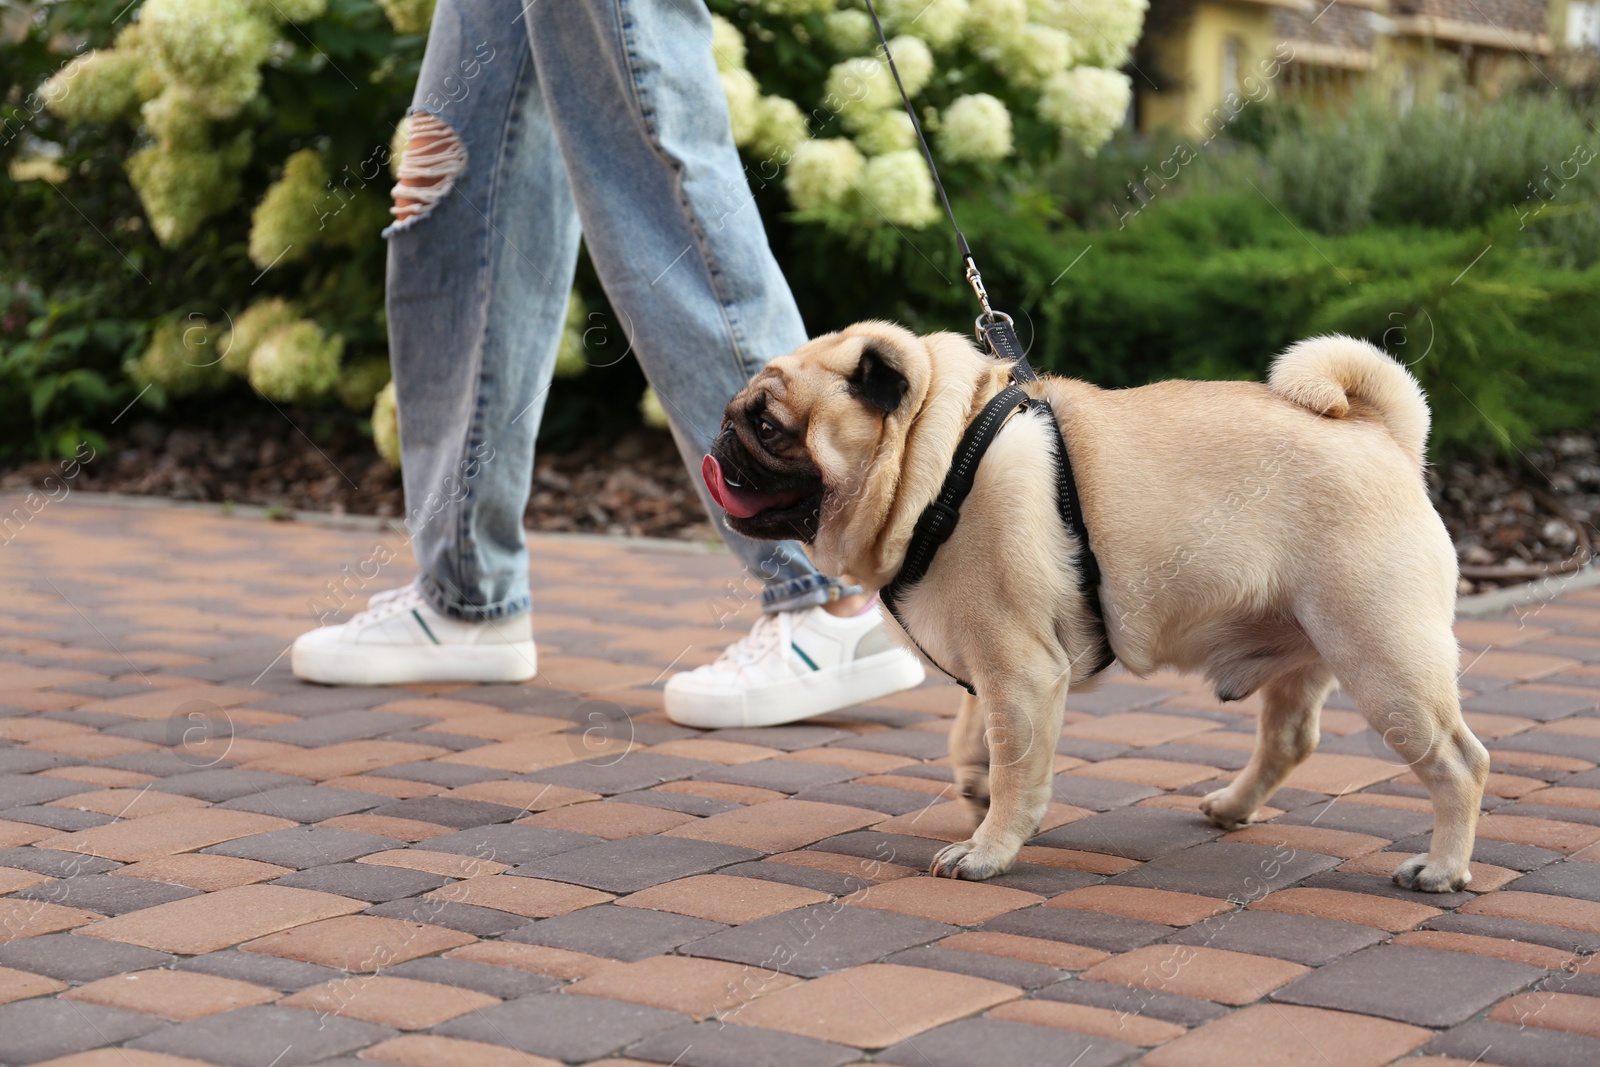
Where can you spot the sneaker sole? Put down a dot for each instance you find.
(369, 665)
(798, 698)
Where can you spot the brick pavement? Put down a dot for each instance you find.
(202, 860)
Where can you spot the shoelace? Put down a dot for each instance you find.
(769, 632)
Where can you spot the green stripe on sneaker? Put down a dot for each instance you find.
(802, 654)
(424, 626)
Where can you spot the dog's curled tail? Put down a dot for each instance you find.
(1341, 377)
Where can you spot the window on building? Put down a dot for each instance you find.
(1583, 25)
(1230, 72)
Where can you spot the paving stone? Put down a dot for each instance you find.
(903, 849)
(1226, 870)
(23, 761)
(163, 763)
(1406, 984)
(1195, 971)
(364, 881)
(300, 847)
(871, 797)
(449, 811)
(1278, 1035)
(217, 920)
(453, 742)
(1300, 938)
(1482, 1041)
(509, 844)
(1557, 937)
(446, 775)
(783, 775)
(1130, 1000)
(264, 1036)
(569, 1028)
(717, 1044)
(687, 803)
(1389, 823)
(305, 803)
(1569, 879)
(617, 933)
(1134, 833)
(48, 1027)
(1543, 705)
(54, 862)
(970, 1041)
(217, 785)
(1110, 933)
(1045, 881)
(915, 744)
(467, 918)
(1224, 759)
(78, 959)
(791, 738)
(274, 972)
(1018, 973)
(506, 983)
(1086, 749)
(1382, 885)
(814, 941)
(636, 770)
(635, 863)
(354, 725)
(18, 790)
(1535, 811)
(1098, 794)
(66, 820)
(311, 700)
(829, 882)
(106, 894)
(1499, 853)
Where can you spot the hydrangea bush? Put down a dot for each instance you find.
(995, 82)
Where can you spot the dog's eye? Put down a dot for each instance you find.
(765, 430)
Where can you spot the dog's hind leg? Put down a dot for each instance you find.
(1285, 736)
(1021, 722)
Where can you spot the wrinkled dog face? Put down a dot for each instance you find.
(798, 443)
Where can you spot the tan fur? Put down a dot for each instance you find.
(1270, 536)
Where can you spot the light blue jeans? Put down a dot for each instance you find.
(599, 119)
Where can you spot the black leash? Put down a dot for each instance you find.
(994, 329)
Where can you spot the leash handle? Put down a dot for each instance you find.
(992, 326)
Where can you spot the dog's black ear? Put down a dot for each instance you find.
(876, 382)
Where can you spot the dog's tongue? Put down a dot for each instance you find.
(738, 501)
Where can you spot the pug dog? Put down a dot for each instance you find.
(1274, 536)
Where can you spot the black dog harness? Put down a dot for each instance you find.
(938, 520)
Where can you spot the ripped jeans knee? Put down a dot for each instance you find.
(433, 158)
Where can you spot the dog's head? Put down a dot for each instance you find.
(816, 447)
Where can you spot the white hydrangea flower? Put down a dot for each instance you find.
(849, 32)
(859, 86)
(650, 409)
(206, 43)
(823, 173)
(177, 119)
(360, 385)
(1103, 31)
(898, 188)
(98, 87)
(781, 127)
(294, 11)
(287, 223)
(990, 21)
(885, 132)
(408, 16)
(180, 190)
(386, 426)
(744, 102)
(727, 44)
(941, 23)
(1086, 104)
(795, 8)
(914, 60)
(570, 359)
(253, 324)
(181, 358)
(975, 127)
(296, 364)
(1033, 53)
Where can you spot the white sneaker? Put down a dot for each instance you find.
(400, 639)
(793, 665)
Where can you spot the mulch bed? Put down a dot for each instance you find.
(1511, 520)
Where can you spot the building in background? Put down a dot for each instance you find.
(1200, 61)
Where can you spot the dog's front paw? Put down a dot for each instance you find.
(1427, 877)
(1224, 811)
(972, 860)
